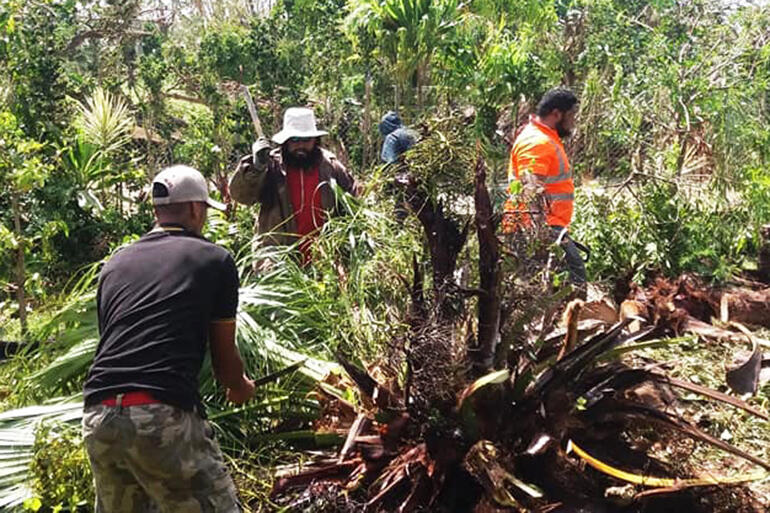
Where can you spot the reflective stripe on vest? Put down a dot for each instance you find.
(560, 212)
(556, 177)
(560, 196)
(565, 173)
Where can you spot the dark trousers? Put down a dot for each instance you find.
(575, 265)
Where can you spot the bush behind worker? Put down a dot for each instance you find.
(159, 301)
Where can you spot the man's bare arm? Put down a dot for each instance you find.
(227, 362)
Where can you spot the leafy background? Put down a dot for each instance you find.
(671, 151)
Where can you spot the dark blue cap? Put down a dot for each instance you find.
(390, 121)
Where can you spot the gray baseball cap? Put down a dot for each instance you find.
(180, 184)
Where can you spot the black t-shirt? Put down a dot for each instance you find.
(155, 301)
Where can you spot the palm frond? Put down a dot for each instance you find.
(68, 367)
(17, 438)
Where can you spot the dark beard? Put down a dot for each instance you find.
(301, 161)
(563, 132)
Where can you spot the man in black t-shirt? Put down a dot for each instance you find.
(160, 300)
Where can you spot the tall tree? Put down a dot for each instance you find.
(21, 169)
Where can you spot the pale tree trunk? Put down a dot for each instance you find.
(151, 160)
(397, 97)
(420, 78)
(680, 159)
(21, 296)
(419, 96)
(367, 121)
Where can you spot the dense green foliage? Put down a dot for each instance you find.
(108, 94)
(671, 150)
(61, 469)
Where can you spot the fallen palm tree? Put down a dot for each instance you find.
(675, 301)
(687, 306)
(513, 451)
(437, 428)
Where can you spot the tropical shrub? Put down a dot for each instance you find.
(61, 475)
(657, 227)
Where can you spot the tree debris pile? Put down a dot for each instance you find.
(673, 304)
(518, 456)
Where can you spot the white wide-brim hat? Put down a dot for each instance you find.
(298, 122)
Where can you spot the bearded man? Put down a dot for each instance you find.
(538, 157)
(292, 183)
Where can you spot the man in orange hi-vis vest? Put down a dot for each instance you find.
(538, 155)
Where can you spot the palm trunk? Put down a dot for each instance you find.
(489, 274)
(746, 306)
(21, 296)
(445, 241)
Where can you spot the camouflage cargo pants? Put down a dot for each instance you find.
(156, 458)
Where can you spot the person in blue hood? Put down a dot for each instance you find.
(398, 138)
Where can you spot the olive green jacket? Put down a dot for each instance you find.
(266, 185)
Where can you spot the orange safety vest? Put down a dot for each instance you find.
(538, 150)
